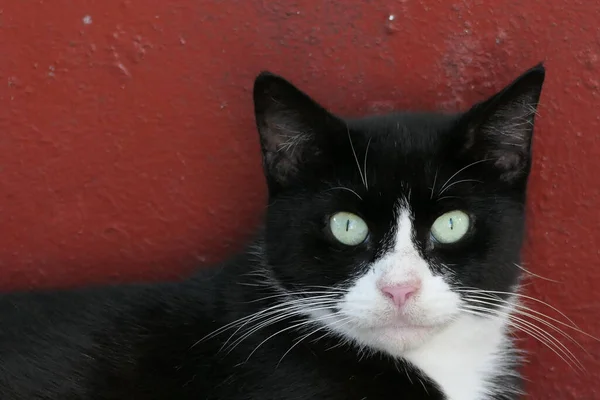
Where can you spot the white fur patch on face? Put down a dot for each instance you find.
(463, 357)
(375, 321)
(457, 350)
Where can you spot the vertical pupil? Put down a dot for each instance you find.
(451, 223)
(347, 225)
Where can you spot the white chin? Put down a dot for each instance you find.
(403, 331)
(408, 336)
(394, 340)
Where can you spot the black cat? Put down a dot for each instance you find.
(385, 269)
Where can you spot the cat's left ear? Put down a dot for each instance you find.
(294, 130)
(500, 129)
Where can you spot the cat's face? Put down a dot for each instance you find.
(381, 227)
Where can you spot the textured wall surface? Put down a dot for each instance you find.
(127, 146)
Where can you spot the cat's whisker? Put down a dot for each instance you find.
(232, 325)
(303, 323)
(301, 295)
(424, 387)
(324, 335)
(348, 189)
(280, 312)
(535, 318)
(446, 267)
(515, 294)
(328, 289)
(356, 158)
(299, 341)
(260, 273)
(318, 329)
(223, 328)
(365, 164)
(527, 311)
(456, 183)
(250, 284)
(299, 311)
(548, 340)
(273, 319)
(461, 170)
(532, 330)
(343, 340)
(248, 319)
(310, 293)
(573, 364)
(338, 323)
(530, 325)
(434, 182)
(260, 324)
(533, 274)
(448, 197)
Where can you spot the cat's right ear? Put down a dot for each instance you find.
(500, 129)
(292, 128)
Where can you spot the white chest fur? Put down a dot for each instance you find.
(463, 358)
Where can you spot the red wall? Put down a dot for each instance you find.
(128, 151)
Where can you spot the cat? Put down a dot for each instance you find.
(386, 268)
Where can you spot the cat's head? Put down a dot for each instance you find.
(381, 228)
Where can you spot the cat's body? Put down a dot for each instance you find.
(380, 305)
(139, 342)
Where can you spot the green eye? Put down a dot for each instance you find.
(450, 227)
(348, 228)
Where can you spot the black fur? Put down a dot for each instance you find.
(149, 342)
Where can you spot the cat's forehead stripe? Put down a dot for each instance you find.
(403, 231)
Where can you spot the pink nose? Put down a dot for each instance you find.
(401, 292)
